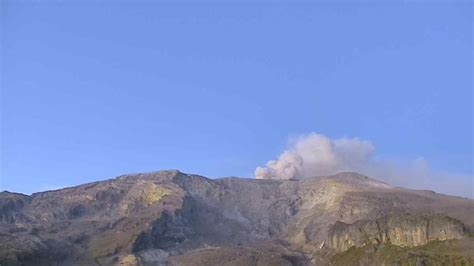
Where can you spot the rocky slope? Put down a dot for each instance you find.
(172, 218)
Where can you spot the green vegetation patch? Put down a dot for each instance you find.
(452, 252)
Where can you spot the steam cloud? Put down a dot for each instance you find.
(317, 155)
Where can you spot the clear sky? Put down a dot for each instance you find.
(92, 90)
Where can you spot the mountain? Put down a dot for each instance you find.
(172, 218)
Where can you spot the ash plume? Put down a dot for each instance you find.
(315, 154)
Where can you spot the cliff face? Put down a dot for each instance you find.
(169, 217)
(403, 230)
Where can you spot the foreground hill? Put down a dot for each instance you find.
(172, 218)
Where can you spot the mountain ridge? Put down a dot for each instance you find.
(234, 177)
(169, 217)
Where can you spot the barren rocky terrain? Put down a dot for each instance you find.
(172, 218)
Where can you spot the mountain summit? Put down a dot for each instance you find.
(173, 218)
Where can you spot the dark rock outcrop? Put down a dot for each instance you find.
(11, 206)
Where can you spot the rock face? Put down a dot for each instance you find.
(172, 218)
(404, 230)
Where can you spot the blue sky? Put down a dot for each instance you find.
(90, 91)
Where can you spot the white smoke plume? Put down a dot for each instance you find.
(314, 154)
